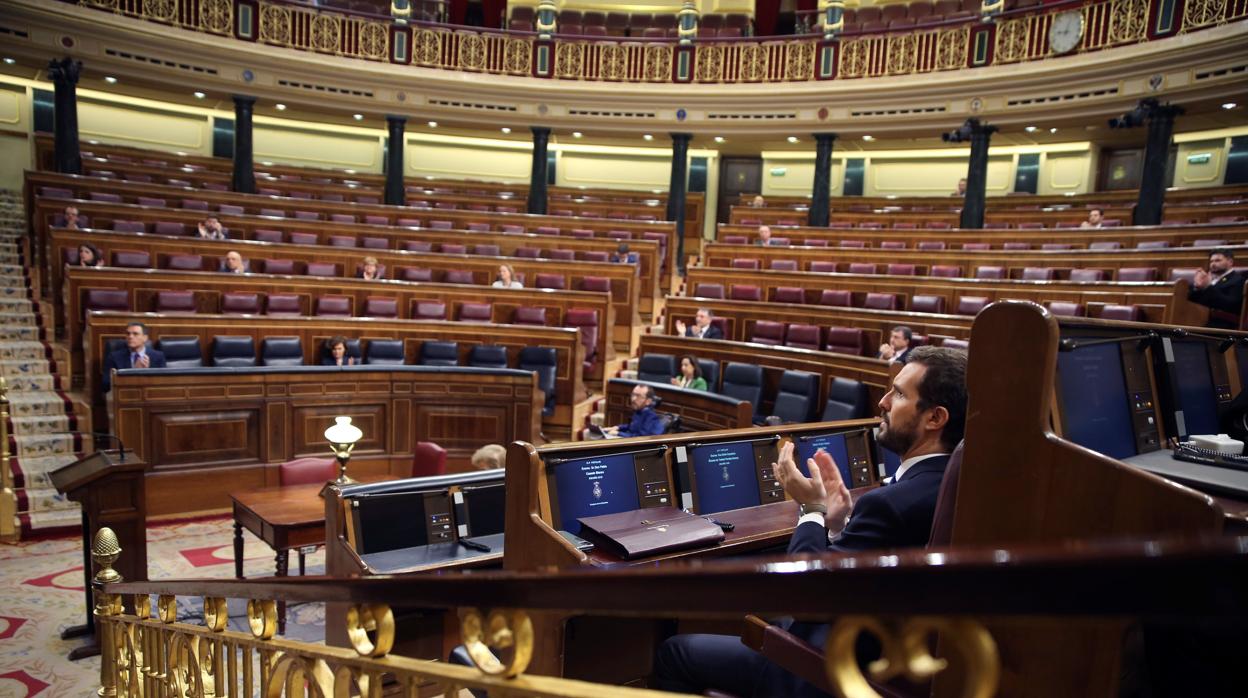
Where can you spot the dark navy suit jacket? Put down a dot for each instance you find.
(120, 359)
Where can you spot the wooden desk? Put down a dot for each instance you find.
(283, 517)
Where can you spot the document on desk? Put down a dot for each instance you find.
(642, 532)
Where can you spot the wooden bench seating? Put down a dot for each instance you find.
(1158, 301)
(570, 387)
(699, 410)
(216, 431)
(367, 239)
(612, 329)
(1165, 260)
(993, 218)
(1077, 238)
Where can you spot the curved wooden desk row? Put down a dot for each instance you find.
(102, 327)
(143, 287)
(1184, 212)
(718, 254)
(741, 316)
(102, 216)
(106, 157)
(954, 238)
(253, 204)
(1158, 301)
(1121, 197)
(699, 410)
(206, 432)
(876, 374)
(613, 331)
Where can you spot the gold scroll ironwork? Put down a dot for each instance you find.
(8, 494)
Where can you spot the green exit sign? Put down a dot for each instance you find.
(779, 171)
(1198, 158)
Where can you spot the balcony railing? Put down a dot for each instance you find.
(1013, 37)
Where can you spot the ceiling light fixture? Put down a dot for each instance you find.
(280, 107)
(577, 134)
(505, 129)
(792, 139)
(110, 79)
(1029, 129)
(719, 139)
(9, 61)
(648, 137)
(199, 95)
(1053, 130)
(433, 124)
(1229, 105)
(357, 117)
(868, 138)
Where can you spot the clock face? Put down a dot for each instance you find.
(1066, 31)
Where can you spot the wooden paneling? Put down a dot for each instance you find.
(993, 218)
(698, 410)
(202, 449)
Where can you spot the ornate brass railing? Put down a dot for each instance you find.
(151, 654)
(8, 493)
(1011, 37)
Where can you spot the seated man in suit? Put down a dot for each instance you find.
(1221, 289)
(702, 327)
(764, 236)
(645, 421)
(234, 263)
(897, 348)
(134, 355)
(924, 417)
(1095, 218)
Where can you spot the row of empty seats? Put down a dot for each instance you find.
(918, 303)
(1013, 245)
(840, 340)
(952, 271)
(796, 399)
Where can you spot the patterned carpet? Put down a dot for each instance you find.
(45, 596)
(42, 424)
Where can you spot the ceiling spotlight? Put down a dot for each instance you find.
(1029, 129)
(199, 95)
(648, 137)
(868, 138)
(280, 107)
(433, 124)
(577, 134)
(9, 61)
(719, 139)
(505, 129)
(357, 117)
(792, 139)
(110, 79)
(1053, 130)
(1228, 105)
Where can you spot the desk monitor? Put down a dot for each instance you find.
(479, 510)
(849, 449)
(606, 483)
(1105, 397)
(733, 475)
(1201, 385)
(393, 520)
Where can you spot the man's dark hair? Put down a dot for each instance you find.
(139, 325)
(708, 311)
(905, 332)
(649, 392)
(1098, 209)
(943, 385)
(1224, 252)
(622, 248)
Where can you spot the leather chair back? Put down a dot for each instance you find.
(847, 399)
(476, 312)
(307, 471)
(804, 337)
(231, 351)
(237, 303)
(657, 368)
(428, 459)
(768, 332)
(434, 353)
(846, 340)
(333, 306)
(487, 356)
(795, 399)
(181, 352)
(525, 315)
(789, 294)
(744, 382)
(282, 304)
(541, 360)
(429, 310)
(281, 351)
(381, 306)
(385, 352)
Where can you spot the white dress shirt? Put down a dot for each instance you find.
(906, 464)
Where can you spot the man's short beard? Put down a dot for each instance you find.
(895, 440)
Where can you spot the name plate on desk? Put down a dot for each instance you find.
(643, 532)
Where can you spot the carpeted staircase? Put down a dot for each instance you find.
(42, 427)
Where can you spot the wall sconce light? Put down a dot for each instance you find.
(342, 435)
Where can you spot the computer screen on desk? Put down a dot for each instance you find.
(849, 449)
(393, 520)
(1194, 386)
(479, 510)
(732, 475)
(1105, 398)
(606, 483)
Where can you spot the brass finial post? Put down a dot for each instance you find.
(104, 552)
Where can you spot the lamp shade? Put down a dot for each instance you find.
(343, 432)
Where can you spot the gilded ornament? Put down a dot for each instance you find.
(658, 63)
(1127, 21)
(710, 63)
(799, 61)
(262, 618)
(427, 48)
(374, 40)
(755, 61)
(160, 10)
(904, 652)
(216, 16)
(518, 56)
(471, 51)
(326, 33)
(901, 53)
(167, 608)
(614, 61)
(370, 628)
(1012, 40)
(569, 59)
(951, 48)
(216, 613)
(854, 55)
(1201, 13)
(502, 630)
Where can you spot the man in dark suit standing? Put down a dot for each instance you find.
(135, 354)
(924, 418)
(1221, 289)
(702, 327)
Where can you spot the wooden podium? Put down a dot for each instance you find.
(111, 488)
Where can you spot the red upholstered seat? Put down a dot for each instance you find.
(946, 271)
(901, 270)
(417, 246)
(238, 303)
(168, 228)
(971, 305)
(458, 276)
(377, 220)
(846, 340)
(429, 310)
(892, 245)
(788, 294)
(768, 332)
(415, 274)
(924, 303)
(836, 298)
(476, 312)
(279, 266)
(282, 304)
(735, 240)
(556, 281)
(524, 315)
(1137, 274)
(904, 225)
(823, 266)
(1087, 275)
(1055, 246)
(1153, 245)
(452, 248)
(1030, 225)
(194, 205)
(408, 222)
(372, 243)
(265, 235)
(745, 263)
(132, 259)
(990, 272)
(321, 269)
(862, 268)
(880, 301)
(1013, 246)
(333, 306)
(930, 245)
(106, 299)
(594, 256)
(1177, 273)
(298, 238)
(1065, 308)
(307, 215)
(307, 471)
(528, 252)
(783, 264)
(976, 246)
(1120, 312)
(857, 244)
(815, 242)
(428, 459)
(186, 262)
(175, 302)
(705, 290)
(1037, 274)
(745, 292)
(803, 337)
(585, 320)
(1106, 245)
(381, 306)
(441, 225)
(511, 229)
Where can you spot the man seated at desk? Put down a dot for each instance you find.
(134, 355)
(1221, 289)
(645, 421)
(702, 327)
(924, 417)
